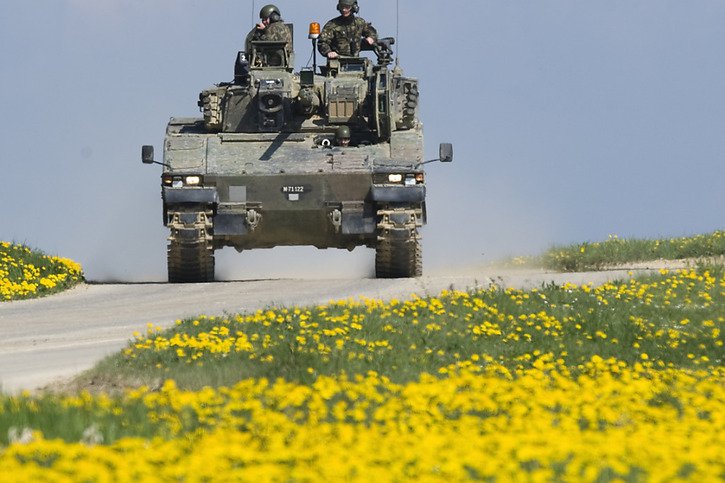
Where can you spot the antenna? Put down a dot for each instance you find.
(254, 7)
(397, 22)
(397, 29)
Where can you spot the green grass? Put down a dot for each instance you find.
(71, 422)
(672, 319)
(618, 251)
(666, 320)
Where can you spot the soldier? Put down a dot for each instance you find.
(342, 136)
(270, 28)
(342, 35)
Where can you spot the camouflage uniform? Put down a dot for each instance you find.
(275, 31)
(343, 35)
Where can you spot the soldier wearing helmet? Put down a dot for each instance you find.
(342, 136)
(342, 35)
(270, 28)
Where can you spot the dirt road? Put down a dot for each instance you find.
(59, 336)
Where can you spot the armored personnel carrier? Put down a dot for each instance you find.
(264, 167)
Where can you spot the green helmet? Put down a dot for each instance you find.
(349, 4)
(269, 11)
(343, 132)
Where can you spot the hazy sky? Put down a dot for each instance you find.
(571, 120)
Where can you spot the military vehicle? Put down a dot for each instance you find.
(263, 167)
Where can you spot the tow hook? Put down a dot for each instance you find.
(336, 219)
(253, 218)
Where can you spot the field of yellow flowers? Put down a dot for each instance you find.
(25, 273)
(618, 382)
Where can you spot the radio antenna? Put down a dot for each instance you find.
(397, 23)
(397, 29)
(254, 7)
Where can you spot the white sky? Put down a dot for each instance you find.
(571, 120)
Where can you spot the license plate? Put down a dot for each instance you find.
(294, 189)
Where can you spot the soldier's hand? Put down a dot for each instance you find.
(332, 55)
(370, 40)
(260, 26)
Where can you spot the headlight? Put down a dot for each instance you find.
(405, 179)
(179, 181)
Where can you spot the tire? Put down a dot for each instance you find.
(190, 263)
(398, 254)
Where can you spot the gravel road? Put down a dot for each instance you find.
(56, 337)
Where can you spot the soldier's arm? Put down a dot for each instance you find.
(369, 31)
(286, 36)
(324, 42)
(279, 32)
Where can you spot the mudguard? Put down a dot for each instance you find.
(398, 194)
(175, 196)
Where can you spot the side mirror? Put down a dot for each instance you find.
(147, 154)
(445, 153)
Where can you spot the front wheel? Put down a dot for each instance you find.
(190, 263)
(398, 251)
(399, 257)
(190, 254)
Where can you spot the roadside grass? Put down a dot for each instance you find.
(617, 251)
(673, 318)
(618, 382)
(27, 273)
